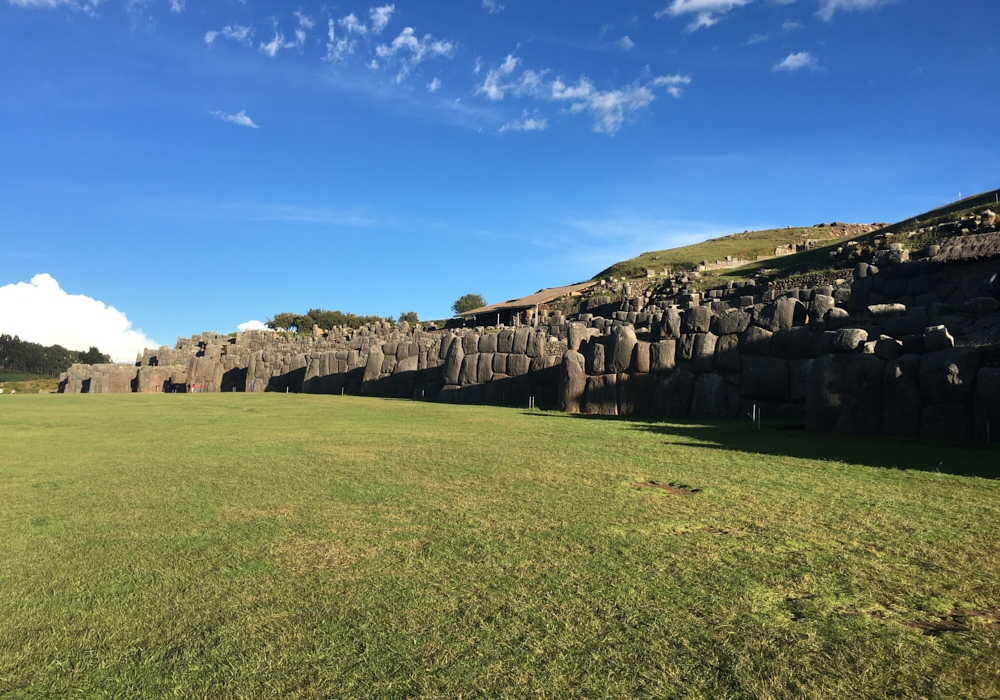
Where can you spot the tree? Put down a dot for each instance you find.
(410, 317)
(94, 357)
(468, 303)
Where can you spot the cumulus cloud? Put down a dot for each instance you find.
(305, 21)
(797, 61)
(756, 39)
(706, 12)
(337, 49)
(177, 5)
(413, 50)
(828, 8)
(352, 26)
(625, 43)
(240, 118)
(381, 16)
(252, 326)
(233, 32)
(41, 312)
(609, 108)
(434, 85)
(790, 26)
(492, 6)
(527, 122)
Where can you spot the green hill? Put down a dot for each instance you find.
(750, 244)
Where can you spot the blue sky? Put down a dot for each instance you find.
(198, 164)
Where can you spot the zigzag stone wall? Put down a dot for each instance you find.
(872, 355)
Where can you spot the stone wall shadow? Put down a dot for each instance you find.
(790, 439)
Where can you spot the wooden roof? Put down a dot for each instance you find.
(542, 296)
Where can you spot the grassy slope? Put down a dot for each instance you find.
(27, 383)
(748, 245)
(305, 546)
(739, 245)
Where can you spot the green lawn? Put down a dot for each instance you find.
(273, 546)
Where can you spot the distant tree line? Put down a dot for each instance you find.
(17, 355)
(302, 324)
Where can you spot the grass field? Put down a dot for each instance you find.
(265, 546)
(26, 383)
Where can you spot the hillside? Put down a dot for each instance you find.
(747, 246)
(758, 247)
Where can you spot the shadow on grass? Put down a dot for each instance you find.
(789, 439)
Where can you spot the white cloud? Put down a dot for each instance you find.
(830, 7)
(352, 26)
(337, 49)
(610, 109)
(272, 47)
(41, 312)
(706, 12)
(625, 43)
(87, 7)
(240, 118)
(305, 21)
(756, 39)
(797, 61)
(233, 32)
(418, 49)
(177, 5)
(381, 16)
(526, 123)
(252, 326)
(790, 26)
(492, 6)
(434, 85)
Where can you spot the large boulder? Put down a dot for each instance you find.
(819, 305)
(845, 394)
(844, 340)
(484, 368)
(987, 405)
(685, 348)
(711, 398)
(947, 422)
(697, 320)
(902, 405)
(672, 396)
(452, 363)
(623, 343)
(572, 383)
(595, 358)
(470, 370)
(601, 395)
(635, 393)
(671, 324)
(765, 379)
(730, 322)
(662, 356)
(488, 343)
(703, 353)
(755, 341)
(797, 343)
(727, 353)
(518, 365)
(505, 340)
(949, 376)
(640, 358)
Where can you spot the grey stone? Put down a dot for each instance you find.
(710, 398)
(488, 343)
(662, 356)
(671, 325)
(818, 308)
(500, 363)
(981, 306)
(845, 394)
(595, 358)
(947, 422)
(470, 344)
(765, 379)
(640, 358)
(520, 346)
(902, 405)
(685, 348)
(573, 383)
(798, 379)
(484, 368)
(536, 345)
(672, 396)
(844, 340)
(635, 393)
(948, 376)
(987, 405)
(505, 341)
(835, 319)
(730, 322)
(703, 353)
(798, 343)
(937, 338)
(755, 341)
(623, 343)
(601, 395)
(470, 369)
(577, 334)
(888, 348)
(697, 320)
(727, 353)
(887, 310)
(453, 363)
(518, 365)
